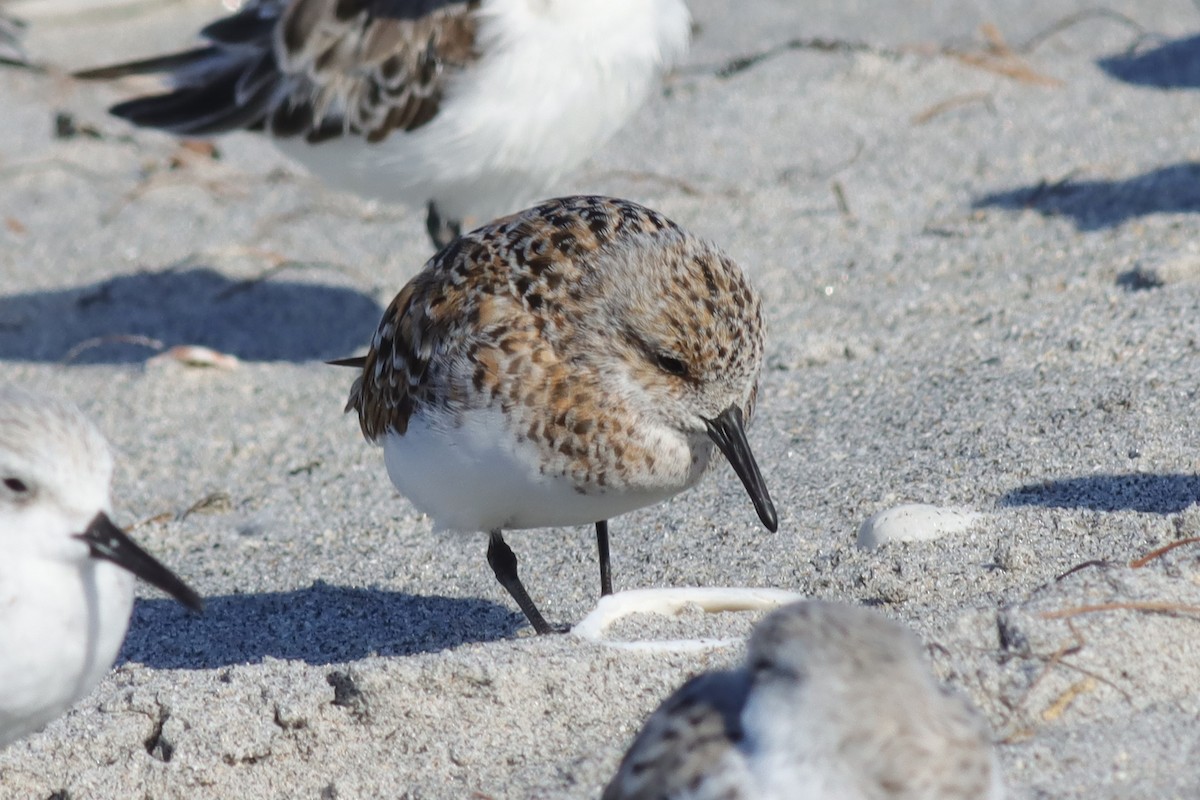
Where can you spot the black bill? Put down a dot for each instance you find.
(728, 430)
(357, 362)
(109, 542)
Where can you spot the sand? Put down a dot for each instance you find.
(978, 250)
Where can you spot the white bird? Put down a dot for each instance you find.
(66, 571)
(834, 702)
(472, 109)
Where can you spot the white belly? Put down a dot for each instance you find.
(61, 626)
(477, 477)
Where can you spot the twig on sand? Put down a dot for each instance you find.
(996, 55)
(1071, 20)
(937, 109)
(1058, 658)
(1138, 563)
(1100, 563)
(163, 516)
(1146, 606)
(820, 44)
(117, 338)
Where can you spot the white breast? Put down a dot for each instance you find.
(478, 477)
(61, 626)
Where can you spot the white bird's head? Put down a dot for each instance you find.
(55, 478)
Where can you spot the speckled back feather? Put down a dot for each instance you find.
(687, 750)
(312, 68)
(512, 307)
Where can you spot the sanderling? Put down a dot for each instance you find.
(472, 109)
(559, 367)
(66, 591)
(834, 702)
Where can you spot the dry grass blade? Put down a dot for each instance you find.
(999, 58)
(1138, 563)
(1147, 606)
(949, 104)
(1072, 20)
(100, 341)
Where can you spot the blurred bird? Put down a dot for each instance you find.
(471, 109)
(834, 702)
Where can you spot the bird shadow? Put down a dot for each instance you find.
(1094, 205)
(1145, 492)
(126, 318)
(320, 625)
(1172, 64)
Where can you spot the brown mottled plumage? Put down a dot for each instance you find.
(689, 744)
(313, 68)
(378, 73)
(568, 363)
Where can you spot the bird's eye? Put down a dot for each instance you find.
(16, 485)
(671, 365)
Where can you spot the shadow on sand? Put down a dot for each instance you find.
(1170, 64)
(320, 625)
(1145, 492)
(1094, 205)
(120, 320)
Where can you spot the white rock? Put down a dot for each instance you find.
(914, 522)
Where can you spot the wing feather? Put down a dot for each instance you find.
(313, 68)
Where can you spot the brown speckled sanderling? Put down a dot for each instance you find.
(834, 702)
(561, 366)
(474, 107)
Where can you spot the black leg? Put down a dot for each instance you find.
(504, 563)
(602, 548)
(441, 231)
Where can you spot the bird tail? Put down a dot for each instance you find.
(171, 62)
(229, 83)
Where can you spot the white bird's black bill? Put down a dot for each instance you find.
(109, 542)
(728, 431)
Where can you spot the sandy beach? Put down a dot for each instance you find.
(975, 230)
